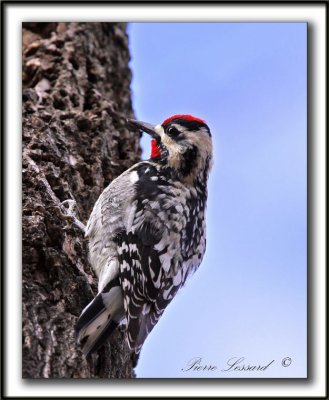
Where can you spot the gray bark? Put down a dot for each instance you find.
(76, 96)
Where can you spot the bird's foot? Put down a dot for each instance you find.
(69, 209)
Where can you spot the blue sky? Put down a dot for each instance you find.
(248, 298)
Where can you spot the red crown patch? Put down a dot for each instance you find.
(183, 116)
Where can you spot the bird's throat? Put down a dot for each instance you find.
(155, 151)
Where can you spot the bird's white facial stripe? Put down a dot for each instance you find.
(159, 130)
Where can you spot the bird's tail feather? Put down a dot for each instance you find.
(100, 318)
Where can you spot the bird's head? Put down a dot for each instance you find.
(182, 142)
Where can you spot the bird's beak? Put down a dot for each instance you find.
(144, 126)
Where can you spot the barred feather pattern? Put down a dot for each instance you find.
(146, 233)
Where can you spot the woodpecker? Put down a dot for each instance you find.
(147, 232)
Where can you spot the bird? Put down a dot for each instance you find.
(147, 233)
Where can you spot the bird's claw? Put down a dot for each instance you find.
(69, 213)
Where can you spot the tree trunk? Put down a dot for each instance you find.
(76, 96)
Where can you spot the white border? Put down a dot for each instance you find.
(15, 14)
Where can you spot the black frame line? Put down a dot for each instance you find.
(310, 206)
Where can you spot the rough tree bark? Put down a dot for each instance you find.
(76, 95)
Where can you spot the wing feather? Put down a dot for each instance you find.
(143, 282)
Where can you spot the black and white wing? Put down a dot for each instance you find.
(149, 255)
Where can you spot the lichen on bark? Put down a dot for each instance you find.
(76, 96)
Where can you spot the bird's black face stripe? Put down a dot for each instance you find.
(190, 125)
(189, 160)
(172, 132)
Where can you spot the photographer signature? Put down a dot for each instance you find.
(236, 364)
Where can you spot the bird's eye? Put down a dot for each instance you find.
(172, 131)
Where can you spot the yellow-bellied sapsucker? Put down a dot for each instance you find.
(147, 232)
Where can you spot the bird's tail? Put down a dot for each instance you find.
(100, 318)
